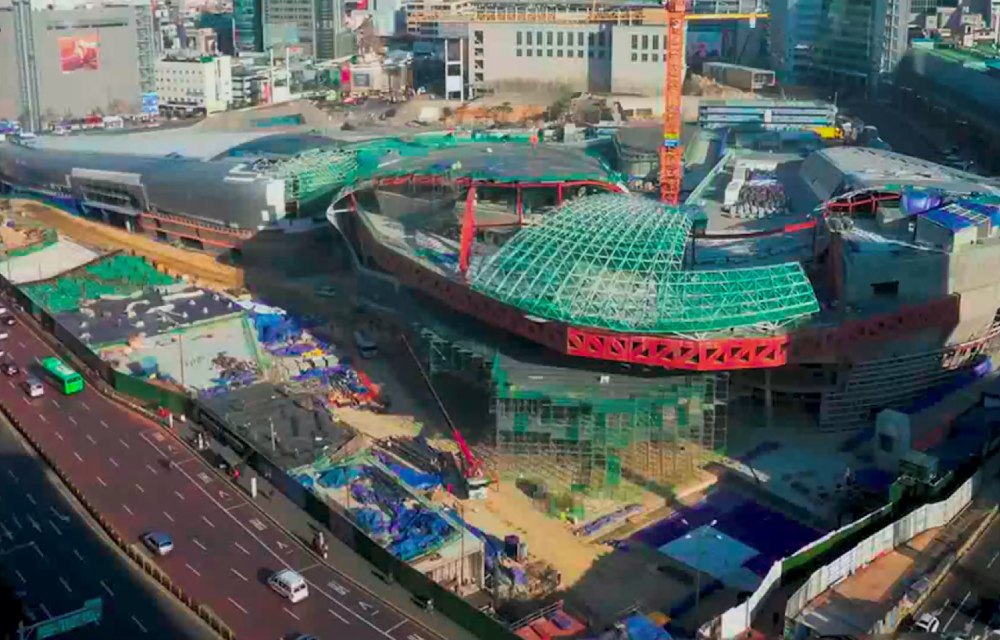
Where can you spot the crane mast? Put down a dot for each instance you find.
(671, 152)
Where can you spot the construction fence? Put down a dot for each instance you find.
(840, 564)
(341, 526)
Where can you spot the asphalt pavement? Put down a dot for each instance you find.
(970, 596)
(53, 554)
(224, 547)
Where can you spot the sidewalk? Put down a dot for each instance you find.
(344, 559)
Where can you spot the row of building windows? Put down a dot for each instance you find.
(559, 38)
(646, 41)
(559, 53)
(647, 57)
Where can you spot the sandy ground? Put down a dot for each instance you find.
(17, 237)
(95, 234)
(874, 582)
(49, 262)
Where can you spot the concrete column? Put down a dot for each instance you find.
(768, 400)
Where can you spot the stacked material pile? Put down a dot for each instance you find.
(118, 275)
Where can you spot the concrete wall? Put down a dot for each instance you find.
(974, 273)
(637, 65)
(922, 275)
(80, 92)
(9, 99)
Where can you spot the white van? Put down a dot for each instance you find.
(290, 585)
(33, 387)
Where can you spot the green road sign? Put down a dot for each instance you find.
(91, 612)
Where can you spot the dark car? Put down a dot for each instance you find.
(10, 368)
(8, 321)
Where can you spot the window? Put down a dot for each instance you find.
(559, 39)
(590, 54)
(579, 53)
(538, 53)
(569, 53)
(635, 41)
(600, 54)
(559, 53)
(645, 57)
(664, 42)
(645, 42)
(635, 56)
(538, 37)
(548, 38)
(519, 38)
(656, 57)
(885, 288)
(579, 39)
(656, 42)
(518, 53)
(600, 39)
(530, 52)
(590, 39)
(548, 54)
(529, 43)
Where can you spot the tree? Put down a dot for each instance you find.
(505, 110)
(97, 111)
(50, 116)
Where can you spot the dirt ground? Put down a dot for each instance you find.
(207, 269)
(874, 582)
(17, 237)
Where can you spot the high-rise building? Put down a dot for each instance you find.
(312, 27)
(248, 18)
(195, 85)
(841, 44)
(56, 63)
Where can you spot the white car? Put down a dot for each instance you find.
(290, 585)
(927, 623)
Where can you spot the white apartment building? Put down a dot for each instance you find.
(195, 85)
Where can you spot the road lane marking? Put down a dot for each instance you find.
(55, 402)
(43, 418)
(41, 605)
(72, 419)
(169, 517)
(234, 507)
(279, 558)
(124, 443)
(20, 577)
(11, 384)
(239, 575)
(38, 550)
(58, 435)
(53, 524)
(237, 605)
(103, 483)
(312, 566)
(240, 547)
(993, 559)
(25, 401)
(78, 456)
(34, 524)
(150, 467)
(104, 424)
(65, 584)
(16, 522)
(20, 344)
(59, 515)
(139, 624)
(85, 407)
(208, 522)
(395, 626)
(955, 612)
(6, 531)
(13, 477)
(112, 461)
(91, 438)
(141, 490)
(338, 616)
(127, 509)
(77, 554)
(290, 613)
(195, 540)
(193, 570)
(179, 494)
(31, 499)
(108, 589)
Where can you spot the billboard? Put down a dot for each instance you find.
(79, 53)
(704, 45)
(150, 103)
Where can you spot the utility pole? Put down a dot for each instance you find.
(274, 444)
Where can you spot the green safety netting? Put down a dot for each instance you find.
(116, 275)
(615, 262)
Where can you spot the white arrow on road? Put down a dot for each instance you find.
(59, 515)
(369, 609)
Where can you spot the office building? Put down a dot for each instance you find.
(852, 44)
(57, 63)
(314, 28)
(201, 85)
(248, 18)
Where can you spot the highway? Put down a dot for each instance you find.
(224, 547)
(53, 555)
(968, 598)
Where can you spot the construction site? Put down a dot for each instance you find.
(519, 346)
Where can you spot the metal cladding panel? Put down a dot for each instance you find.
(178, 186)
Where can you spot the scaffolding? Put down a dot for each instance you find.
(615, 262)
(313, 174)
(583, 433)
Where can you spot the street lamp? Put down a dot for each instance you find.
(697, 570)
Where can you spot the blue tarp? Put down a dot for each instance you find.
(339, 477)
(642, 628)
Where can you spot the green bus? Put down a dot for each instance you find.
(68, 381)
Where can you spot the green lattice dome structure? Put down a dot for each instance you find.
(615, 262)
